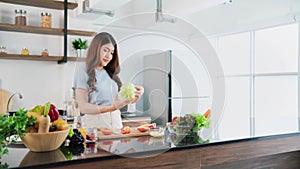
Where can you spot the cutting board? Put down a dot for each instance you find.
(117, 134)
(4, 96)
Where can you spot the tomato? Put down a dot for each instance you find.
(142, 129)
(125, 130)
(60, 124)
(106, 131)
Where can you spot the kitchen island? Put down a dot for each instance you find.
(277, 151)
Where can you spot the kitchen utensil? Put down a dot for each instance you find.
(117, 134)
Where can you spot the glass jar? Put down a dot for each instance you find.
(20, 18)
(45, 52)
(24, 51)
(46, 20)
(3, 50)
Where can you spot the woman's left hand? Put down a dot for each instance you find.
(139, 91)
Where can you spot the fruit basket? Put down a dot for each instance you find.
(42, 142)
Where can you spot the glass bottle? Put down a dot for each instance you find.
(3, 50)
(76, 112)
(46, 20)
(24, 51)
(45, 52)
(20, 17)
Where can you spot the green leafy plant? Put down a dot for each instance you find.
(201, 121)
(79, 44)
(14, 125)
(190, 123)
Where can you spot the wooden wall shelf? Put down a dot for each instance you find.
(40, 30)
(38, 57)
(51, 4)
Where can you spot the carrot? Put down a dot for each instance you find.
(45, 120)
(207, 113)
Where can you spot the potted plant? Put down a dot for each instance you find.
(80, 46)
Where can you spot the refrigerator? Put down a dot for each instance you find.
(174, 85)
(157, 85)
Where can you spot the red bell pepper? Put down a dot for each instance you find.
(53, 113)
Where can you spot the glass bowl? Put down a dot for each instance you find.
(157, 132)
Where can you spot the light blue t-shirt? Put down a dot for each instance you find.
(106, 88)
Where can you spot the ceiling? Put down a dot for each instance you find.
(210, 16)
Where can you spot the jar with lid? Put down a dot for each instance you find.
(20, 18)
(24, 51)
(46, 20)
(45, 52)
(3, 50)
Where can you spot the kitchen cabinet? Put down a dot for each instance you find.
(58, 5)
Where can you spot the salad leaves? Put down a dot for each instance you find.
(200, 122)
(127, 91)
(190, 123)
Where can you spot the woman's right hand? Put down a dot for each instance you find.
(117, 103)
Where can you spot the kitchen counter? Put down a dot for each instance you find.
(134, 119)
(278, 151)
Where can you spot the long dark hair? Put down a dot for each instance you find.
(93, 60)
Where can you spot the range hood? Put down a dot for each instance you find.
(87, 9)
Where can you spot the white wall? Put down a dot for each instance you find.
(38, 81)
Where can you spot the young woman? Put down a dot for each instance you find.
(96, 84)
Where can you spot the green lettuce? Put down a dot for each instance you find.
(201, 121)
(127, 92)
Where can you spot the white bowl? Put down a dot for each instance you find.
(157, 132)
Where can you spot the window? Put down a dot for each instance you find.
(276, 49)
(234, 54)
(276, 80)
(262, 100)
